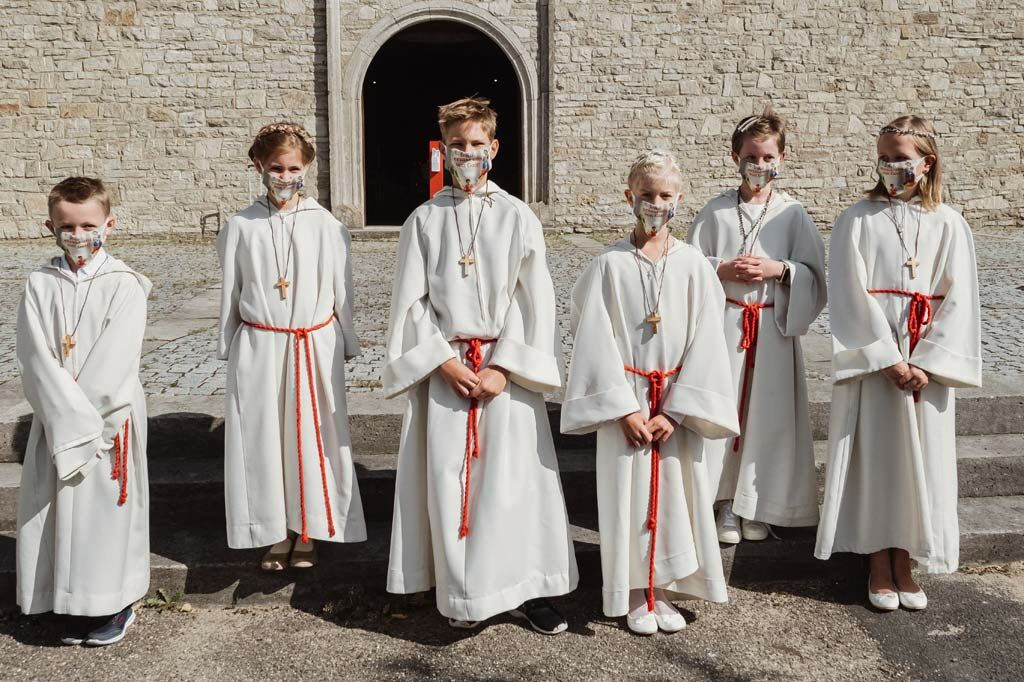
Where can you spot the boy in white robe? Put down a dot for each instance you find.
(286, 329)
(472, 341)
(771, 260)
(83, 506)
(903, 293)
(650, 374)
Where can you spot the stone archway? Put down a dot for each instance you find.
(345, 87)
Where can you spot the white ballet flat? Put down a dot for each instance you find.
(670, 622)
(914, 601)
(646, 624)
(889, 601)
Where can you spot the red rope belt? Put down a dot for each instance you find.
(301, 339)
(475, 358)
(657, 390)
(918, 316)
(751, 325)
(119, 472)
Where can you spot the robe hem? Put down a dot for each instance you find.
(930, 562)
(94, 605)
(750, 507)
(253, 536)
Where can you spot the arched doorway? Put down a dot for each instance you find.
(415, 71)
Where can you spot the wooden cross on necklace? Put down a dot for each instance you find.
(282, 285)
(69, 343)
(912, 263)
(465, 262)
(654, 319)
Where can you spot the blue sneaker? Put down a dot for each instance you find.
(113, 630)
(76, 629)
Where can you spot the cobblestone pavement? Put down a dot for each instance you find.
(182, 268)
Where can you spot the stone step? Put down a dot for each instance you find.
(195, 426)
(198, 564)
(190, 491)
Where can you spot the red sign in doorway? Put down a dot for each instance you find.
(436, 168)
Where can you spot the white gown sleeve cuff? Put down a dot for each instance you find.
(945, 366)
(78, 458)
(416, 364)
(856, 362)
(532, 369)
(587, 413)
(706, 413)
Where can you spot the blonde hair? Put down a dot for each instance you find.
(476, 109)
(78, 190)
(768, 124)
(654, 162)
(929, 188)
(281, 136)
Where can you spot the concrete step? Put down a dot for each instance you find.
(197, 563)
(195, 426)
(190, 490)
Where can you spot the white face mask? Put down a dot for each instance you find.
(81, 250)
(758, 176)
(898, 176)
(467, 167)
(653, 217)
(283, 190)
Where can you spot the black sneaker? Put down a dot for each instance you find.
(113, 630)
(544, 618)
(76, 629)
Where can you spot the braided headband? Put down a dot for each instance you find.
(906, 131)
(289, 128)
(746, 123)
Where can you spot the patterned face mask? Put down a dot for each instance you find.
(283, 190)
(758, 176)
(898, 176)
(653, 217)
(467, 167)
(80, 250)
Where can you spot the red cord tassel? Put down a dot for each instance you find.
(119, 470)
(475, 358)
(751, 326)
(919, 315)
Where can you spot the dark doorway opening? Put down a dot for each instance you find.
(413, 73)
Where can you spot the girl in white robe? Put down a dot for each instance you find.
(83, 504)
(666, 369)
(767, 475)
(905, 322)
(286, 329)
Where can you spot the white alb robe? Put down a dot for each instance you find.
(891, 473)
(261, 462)
(608, 312)
(771, 477)
(518, 546)
(80, 551)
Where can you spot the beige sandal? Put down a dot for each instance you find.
(274, 561)
(303, 558)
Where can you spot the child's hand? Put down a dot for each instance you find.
(896, 373)
(754, 269)
(661, 427)
(634, 426)
(492, 383)
(460, 378)
(727, 271)
(915, 380)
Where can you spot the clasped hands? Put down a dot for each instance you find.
(750, 269)
(906, 377)
(489, 383)
(640, 432)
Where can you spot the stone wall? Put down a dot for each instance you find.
(161, 97)
(628, 75)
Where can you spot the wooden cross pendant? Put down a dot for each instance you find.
(465, 262)
(912, 263)
(282, 285)
(69, 343)
(654, 319)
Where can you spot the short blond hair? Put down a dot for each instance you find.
(476, 109)
(929, 188)
(768, 124)
(78, 190)
(282, 136)
(654, 162)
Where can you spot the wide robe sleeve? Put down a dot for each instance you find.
(344, 294)
(862, 340)
(597, 390)
(950, 347)
(702, 236)
(231, 288)
(529, 346)
(798, 304)
(702, 397)
(416, 346)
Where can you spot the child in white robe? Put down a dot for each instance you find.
(286, 329)
(650, 374)
(83, 505)
(905, 317)
(771, 260)
(472, 342)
